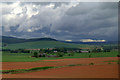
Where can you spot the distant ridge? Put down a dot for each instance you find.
(37, 43)
(42, 39)
(12, 40)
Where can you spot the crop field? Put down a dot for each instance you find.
(79, 65)
(94, 71)
(22, 65)
(63, 68)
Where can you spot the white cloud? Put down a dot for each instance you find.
(31, 15)
(68, 40)
(29, 30)
(50, 6)
(90, 40)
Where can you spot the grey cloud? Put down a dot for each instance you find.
(62, 21)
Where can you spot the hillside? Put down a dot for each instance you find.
(13, 40)
(43, 44)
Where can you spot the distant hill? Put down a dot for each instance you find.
(13, 40)
(36, 43)
(40, 39)
(43, 44)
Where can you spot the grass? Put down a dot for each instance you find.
(116, 61)
(26, 57)
(109, 63)
(26, 70)
(42, 68)
(36, 69)
(43, 44)
(75, 64)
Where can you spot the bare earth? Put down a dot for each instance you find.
(93, 71)
(58, 62)
(88, 71)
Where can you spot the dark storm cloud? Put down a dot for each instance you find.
(98, 19)
(62, 21)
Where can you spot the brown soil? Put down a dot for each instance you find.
(58, 62)
(90, 71)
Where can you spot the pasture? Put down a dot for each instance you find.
(44, 44)
(26, 57)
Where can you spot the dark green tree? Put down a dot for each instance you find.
(36, 54)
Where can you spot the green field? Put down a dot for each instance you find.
(26, 57)
(43, 44)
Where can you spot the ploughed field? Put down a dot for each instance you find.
(91, 71)
(104, 67)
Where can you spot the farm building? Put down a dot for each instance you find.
(55, 51)
(42, 55)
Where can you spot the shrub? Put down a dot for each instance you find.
(36, 54)
(43, 55)
(91, 64)
(60, 54)
(41, 68)
(90, 55)
(118, 62)
(74, 64)
(71, 54)
(109, 63)
(118, 55)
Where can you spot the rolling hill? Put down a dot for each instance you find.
(36, 43)
(43, 44)
(13, 40)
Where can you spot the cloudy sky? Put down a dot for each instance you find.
(62, 21)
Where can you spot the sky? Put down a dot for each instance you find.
(71, 21)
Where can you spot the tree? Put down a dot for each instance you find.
(60, 54)
(71, 54)
(36, 54)
(90, 55)
(96, 50)
(118, 55)
(106, 50)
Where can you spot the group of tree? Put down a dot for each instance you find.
(17, 50)
(20, 51)
(100, 50)
(63, 50)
